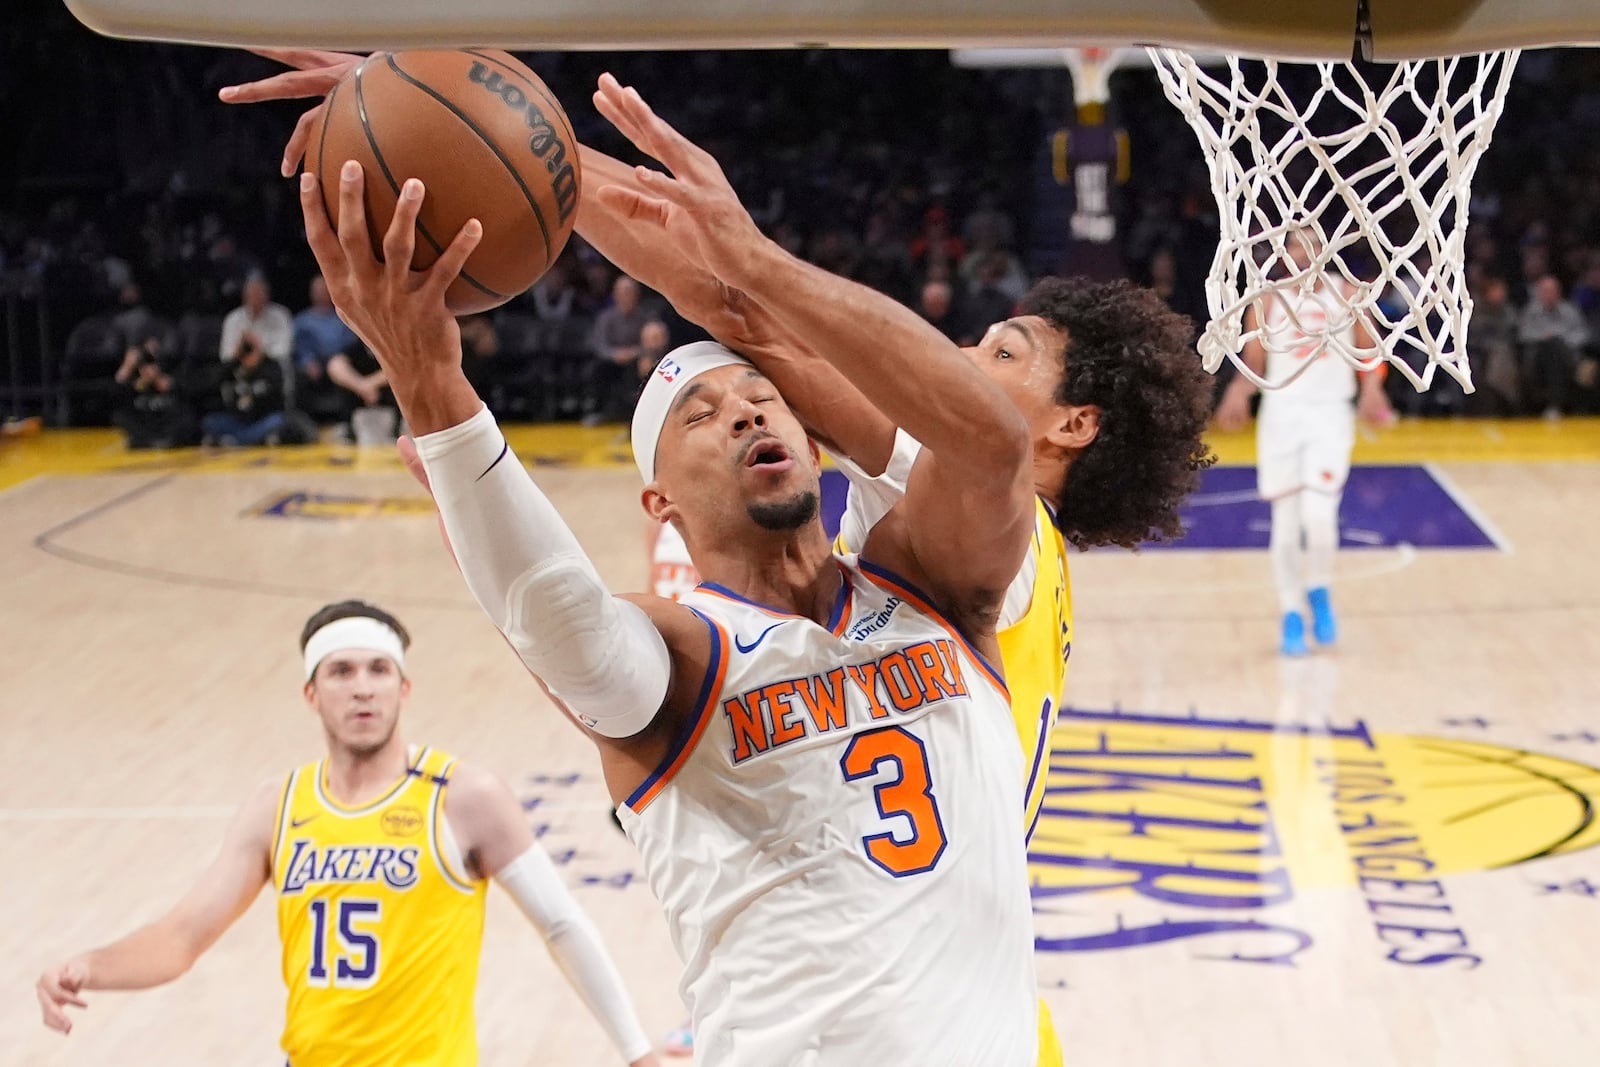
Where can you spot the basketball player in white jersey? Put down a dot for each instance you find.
(1305, 432)
(812, 753)
(380, 856)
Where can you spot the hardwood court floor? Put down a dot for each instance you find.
(1211, 807)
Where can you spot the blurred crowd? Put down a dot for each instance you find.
(146, 222)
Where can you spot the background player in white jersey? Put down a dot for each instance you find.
(380, 855)
(826, 802)
(1305, 433)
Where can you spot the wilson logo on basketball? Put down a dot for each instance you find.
(1205, 831)
(543, 140)
(402, 822)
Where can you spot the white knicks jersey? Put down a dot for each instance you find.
(834, 841)
(1293, 321)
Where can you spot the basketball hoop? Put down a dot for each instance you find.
(1375, 165)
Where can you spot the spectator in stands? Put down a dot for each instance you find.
(480, 344)
(554, 295)
(1553, 334)
(618, 331)
(319, 336)
(655, 341)
(356, 371)
(319, 333)
(885, 264)
(133, 322)
(594, 293)
(938, 307)
(1585, 295)
(1492, 350)
(1164, 280)
(252, 396)
(259, 325)
(988, 226)
(989, 301)
(936, 245)
(150, 408)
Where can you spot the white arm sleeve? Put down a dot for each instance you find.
(574, 943)
(601, 656)
(869, 498)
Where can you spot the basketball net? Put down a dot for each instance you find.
(1369, 170)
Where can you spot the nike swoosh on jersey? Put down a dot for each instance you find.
(295, 824)
(762, 636)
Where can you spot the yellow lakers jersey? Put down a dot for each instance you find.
(1034, 651)
(380, 925)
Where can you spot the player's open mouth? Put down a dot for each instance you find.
(769, 455)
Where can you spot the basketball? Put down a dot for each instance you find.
(487, 139)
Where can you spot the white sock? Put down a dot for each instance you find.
(1288, 557)
(1319, 515)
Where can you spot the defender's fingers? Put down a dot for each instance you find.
(634, 206)
(295, 150)
(289, 85)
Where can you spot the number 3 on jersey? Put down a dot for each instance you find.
(356, 965)
(909, 794)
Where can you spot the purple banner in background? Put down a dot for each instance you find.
(1383, 506)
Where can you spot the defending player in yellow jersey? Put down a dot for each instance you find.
(1117, 403)
(380, 856)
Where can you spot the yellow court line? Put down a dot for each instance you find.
(99, 451)
(1454, 441)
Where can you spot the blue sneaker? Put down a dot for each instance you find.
(680, 1042)
(1294, 635)
(1323, 626)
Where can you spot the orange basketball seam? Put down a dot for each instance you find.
(322, 152)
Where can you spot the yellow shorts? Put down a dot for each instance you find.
(1049, 1044)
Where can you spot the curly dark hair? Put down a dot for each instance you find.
(1132, 357)
(351, 609)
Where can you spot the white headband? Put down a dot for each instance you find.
(675, 371)
(356, 632)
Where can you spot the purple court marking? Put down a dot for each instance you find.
(1383, 506)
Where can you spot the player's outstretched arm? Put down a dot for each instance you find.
(604, 657)
(970, 536)
(494, 835)
(165, 949)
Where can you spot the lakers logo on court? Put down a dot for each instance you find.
(1240, 838)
